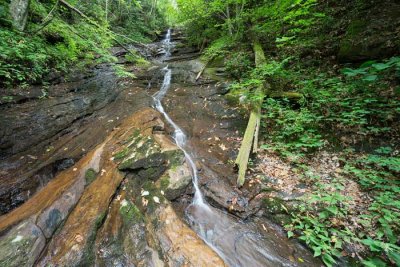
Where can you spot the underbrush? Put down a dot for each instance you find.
(339, 112)
(360, 221)
(63, 40)
(353, 108)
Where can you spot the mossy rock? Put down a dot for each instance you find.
(278, 210)
(137, 146)
(150, 167)
(90, 176)
(360, 45)
(88, 254)
(177, 180)
(215, 73)
(121, 154)
(152, 173)
(217, 62)
(130, 212)
(21, 245)
(175, 158)
(274, 205)
(154, 160)
(281, 219)
(164, 182)
(154, 192)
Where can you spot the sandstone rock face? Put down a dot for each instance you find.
(180, 244)
(39, 138)
(111, 208)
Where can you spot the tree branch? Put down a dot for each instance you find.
(47, 20)
(80, 13)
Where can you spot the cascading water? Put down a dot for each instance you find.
(179, 136)
(167, 44)
(223, 233)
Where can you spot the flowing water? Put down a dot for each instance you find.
(237, 243)
(66, 206)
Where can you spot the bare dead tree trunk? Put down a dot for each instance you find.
(250, 138)
(107, 11)
(228, 13)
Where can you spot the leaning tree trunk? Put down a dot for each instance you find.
(19, 12)
(251, 135)
(250, 139)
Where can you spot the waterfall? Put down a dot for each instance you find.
(221, 232)
(179, 136)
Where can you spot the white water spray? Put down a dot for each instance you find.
(167, 44)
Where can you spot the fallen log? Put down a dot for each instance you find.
(90, 21)
(46, 21)
(203, 68)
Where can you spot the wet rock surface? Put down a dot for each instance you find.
(21, 245)
(114, 190)
(45, 136)
(119, 213)
(41, 120)
(213, 128)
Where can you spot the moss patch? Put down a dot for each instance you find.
(274, 205)
(90, 176)
(88, 252)
(131, 213)
(154, 191)
(164, 182)
(175, 158)
(121, 154)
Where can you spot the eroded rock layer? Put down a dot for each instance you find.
(111, 208)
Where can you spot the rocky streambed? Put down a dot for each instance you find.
(90, 176)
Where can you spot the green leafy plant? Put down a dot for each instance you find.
(238, 64)
(318, 219)
(370, 70)
(291, 130)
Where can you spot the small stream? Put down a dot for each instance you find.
(237, 243)
(67, 208)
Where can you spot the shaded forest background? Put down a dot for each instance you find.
(56, 37)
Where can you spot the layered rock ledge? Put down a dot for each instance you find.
(111, 208)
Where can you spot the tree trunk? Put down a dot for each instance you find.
(251, 135)
(107, 11)
(228, 14)
(19, 10)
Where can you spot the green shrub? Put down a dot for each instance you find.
(70, 40)
(291, 130)
(238, 64)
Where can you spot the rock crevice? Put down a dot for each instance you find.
(122, 216)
